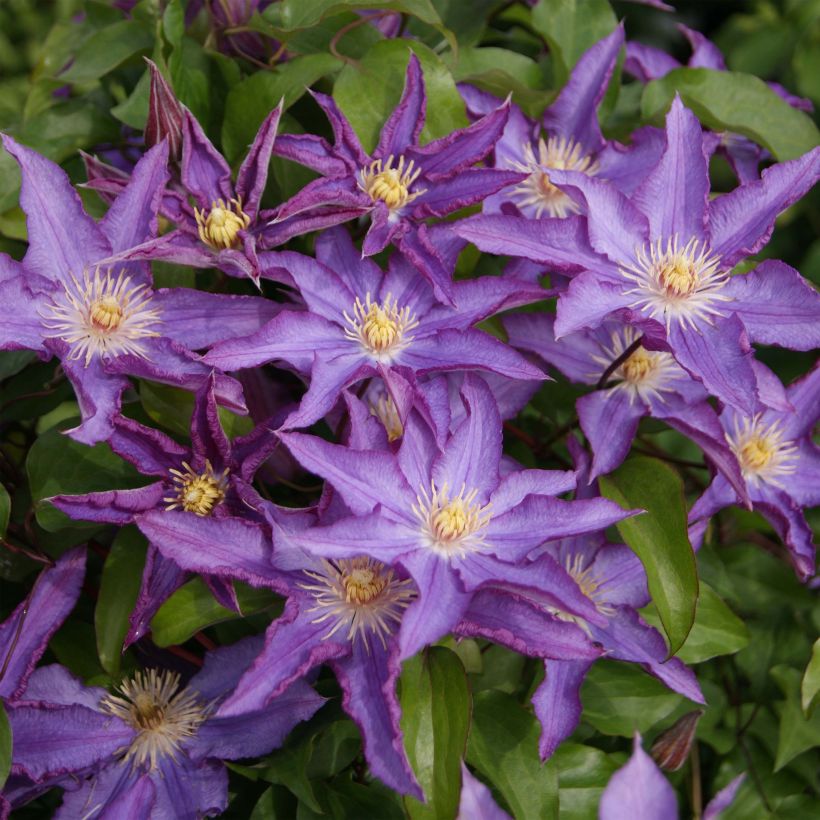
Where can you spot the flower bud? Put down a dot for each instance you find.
(164, 115)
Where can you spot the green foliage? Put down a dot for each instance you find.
(5, 746)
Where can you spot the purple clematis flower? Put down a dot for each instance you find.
(665, 253)
(448, 517)
(571, 140)
(648, 383)
(648, 63)
(152, 747)
(25, 634)
(401, 183)
(612, 576)
(72, 298)
(362, 323)
(780, 465)
(207, 482)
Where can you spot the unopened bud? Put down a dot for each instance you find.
(164, 115)
(671, 748)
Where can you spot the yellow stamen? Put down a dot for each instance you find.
(220, 227)
(380, 328)
(196, 492)
(453, 526)
(388, 184)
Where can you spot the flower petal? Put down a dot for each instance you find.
(557, 703)
(404, 124)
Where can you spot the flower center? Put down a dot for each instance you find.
(104, 316)
(162, 716)
(677, 282)
(764, 453)
(360, 595)
(587, 583)
(536, 191)
(384, 408)
(380, 328)
(638, 367)
(196, 492)
(381, 181)
(452, 525)
(220, 228)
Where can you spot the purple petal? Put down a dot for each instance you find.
(476, 801)
(346, 142)
(638, 790)
(404, 125)
(132, 793)
(724, 798)
(51, 740)
(587, 302)
(25, 634)
(364, 478)
(368, 680)
(804, 397)
(111, 506)
(22, 327)
(466, 188)
(208, 439)
(132, 218)
(439, 607)
(198, 320)
(56, 686)
(557, 703)
(648, 63)
(777, 306)
(313, 152)
(183, 787)
(609, 419)
(674, 196)
(151, 451)
(515, 487)
(161, 578)
(789, 523)
(421, 255)
(214, 546)
(63, 239)
(253, 173)
(574, 113)
(720, 357)
(741, 222)
(204, 170)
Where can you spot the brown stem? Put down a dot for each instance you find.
(697, 786)
(359, 21)
(618, 362)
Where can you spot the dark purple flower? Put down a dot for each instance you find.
(209, 481)
(780, 465)
(400, 184)
(74, 298)
(648, 383)
(665, 254)
(568, 137)
(648, 63)
(361, 323)
(152, 747)
(229, 21)
(25, 634)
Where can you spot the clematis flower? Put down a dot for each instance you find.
(152, 747)
(448, 517)
(207, 482)
(647, 383)
(402, 182)
(639, 791)
(647, 63)
(72, 299)
(347, 612)
(25, 634)
(361, 323)
(665, 254)
(780, 465)
(568, 137)
(612, 576)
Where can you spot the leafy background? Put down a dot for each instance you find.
(73, 78)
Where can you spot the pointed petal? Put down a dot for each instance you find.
(111, 506)
(515, 487)
(151, 451)
(25, 634)
(557, 703)
(63, 239)
(790, 524)
(476, 801)
(609, 419)
(161, 578)
(204, 170)
(466, 188)
(741, 222)
(184, 788)
(777, 306)
(313, 152)
(368, 680)
(574, 113)
(22, 327)
(723, 799)
(416, 246)
(675, 195)
(253, 173)
(587, 302)
(404, 125)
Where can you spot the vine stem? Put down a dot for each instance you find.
(618, 362)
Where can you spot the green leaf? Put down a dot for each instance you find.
(659, 538)
(739, 103)
(288, 767)
(619, 698)
(368, 92)
(192, 608)
(503, 746)
(251, 100)
(5, 510)
(119, 587)
(810, 685)
(56, 464)
(797, 733)
(435, 702)
(133, 111)
(571, 27)
(583, 773)
(5, 746)
(173, 23)
(106, 49)
(716, 631)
